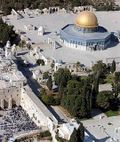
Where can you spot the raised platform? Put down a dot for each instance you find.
(73, 37)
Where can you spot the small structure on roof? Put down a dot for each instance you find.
(41, 31)
(66, 129)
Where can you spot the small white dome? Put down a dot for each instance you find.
(40, 29)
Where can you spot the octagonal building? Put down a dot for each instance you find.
(85, 34)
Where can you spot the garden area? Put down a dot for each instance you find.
(78, 95)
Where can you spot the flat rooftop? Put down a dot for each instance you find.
(8, 79)
(104, 130)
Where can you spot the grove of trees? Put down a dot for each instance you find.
(79, 95)
(76, 94)
(105, 99)
(7, 5)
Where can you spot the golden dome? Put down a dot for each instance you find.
(86, 19)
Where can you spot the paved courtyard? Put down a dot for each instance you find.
(60, 20)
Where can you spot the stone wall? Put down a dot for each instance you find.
(37, 111)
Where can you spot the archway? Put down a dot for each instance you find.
(5, 104)
(13, 103)
(53, 10)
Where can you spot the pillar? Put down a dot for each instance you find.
(2, 103)
(6, 53)
(10, 103)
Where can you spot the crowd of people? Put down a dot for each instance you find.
(15, 121)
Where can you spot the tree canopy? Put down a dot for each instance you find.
(74, 87)
(113, 66)
(78, 135)
(104, 99)
(99, 66)
(49, 83)
(6, 33)
(62, 76)
(78, 98)
(116, 84)
(40, 62)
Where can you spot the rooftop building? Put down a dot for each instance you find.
(85, 33)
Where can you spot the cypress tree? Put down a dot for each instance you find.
(113, 67)
(49, 83)
(95, 89)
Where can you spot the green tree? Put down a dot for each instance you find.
(116, 84)
(83, 112)
(77, 66)
(73, 87)
(78, 135)
(87, 94)
(29, 46)
(6, 33)
(81, 133)
(68, 4)
(42, 91)
(75, 77)
(46, 75)
(73, 137)
(48, 100)
(76, 105)
(22, 43)
(52, 65)
(104, 100)
(95, 88)
(49, 83)
(40, 62)
(103, 70)
(117, 77)
(113, 66)
(99, 66)
(78, 98)
(61, 77)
